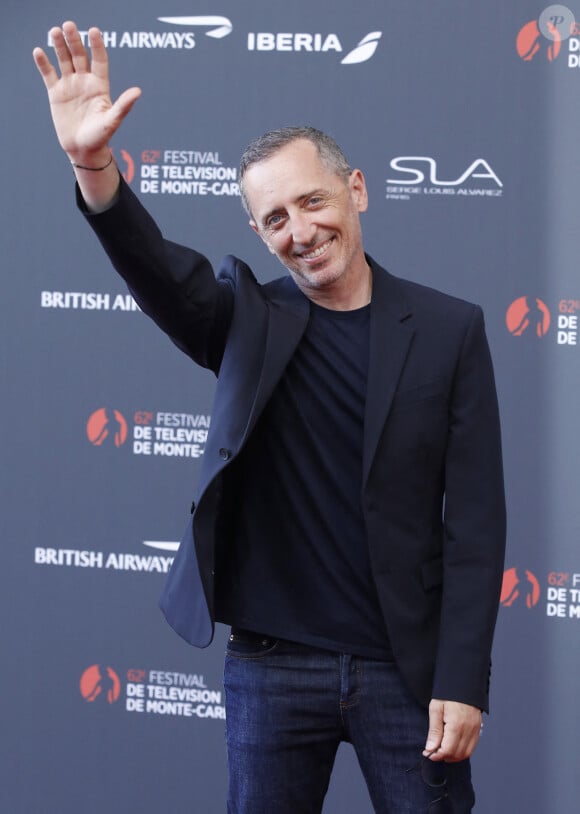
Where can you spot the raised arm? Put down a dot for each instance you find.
(84, 116)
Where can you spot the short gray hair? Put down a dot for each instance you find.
(263, 147)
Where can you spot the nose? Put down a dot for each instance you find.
(302, 228)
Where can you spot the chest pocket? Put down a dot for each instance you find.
(410, 397)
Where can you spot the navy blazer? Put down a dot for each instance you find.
(432, 496)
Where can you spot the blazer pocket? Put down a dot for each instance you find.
(427, 391)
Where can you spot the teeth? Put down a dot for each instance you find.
(317, 252)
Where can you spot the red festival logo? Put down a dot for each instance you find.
(530, 41)
(103, 424)
(514, 588)
(100, 682)
(129, 172)
(525, 312)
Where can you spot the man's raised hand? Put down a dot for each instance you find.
(84, 116)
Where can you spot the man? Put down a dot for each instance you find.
(350, 520)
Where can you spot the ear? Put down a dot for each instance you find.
(358, 190)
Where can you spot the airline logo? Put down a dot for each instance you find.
(314, 43)
(213, 26)
(148, 562)
(217, 27)
(182, 32)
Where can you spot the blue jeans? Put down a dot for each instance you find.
(288, 706)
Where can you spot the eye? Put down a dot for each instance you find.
(315, 200)
(274, 221)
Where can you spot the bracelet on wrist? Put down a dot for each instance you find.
(93, 169)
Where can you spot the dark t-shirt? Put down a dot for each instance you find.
(298, 567)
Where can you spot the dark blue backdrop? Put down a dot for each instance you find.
(464, 119)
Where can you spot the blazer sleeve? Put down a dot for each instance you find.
(474, 526)
(172, 284)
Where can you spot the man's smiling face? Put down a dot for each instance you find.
(308, 216)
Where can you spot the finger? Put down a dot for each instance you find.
(121, 107)
(452, 745)
(77, 50)
(459, 740)
(467, 744)
(61, 50)
(45, 68)
(99, 58)
(435, 733)
(454, 754)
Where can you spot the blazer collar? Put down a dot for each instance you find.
(289, 310)
(391, 334)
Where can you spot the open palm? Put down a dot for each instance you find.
(84, 116)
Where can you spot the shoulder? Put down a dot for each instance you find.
(438, 305)
(282, 290)
(236, 270)
(422, 300)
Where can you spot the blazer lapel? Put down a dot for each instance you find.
(289, 311)
(391, 333)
